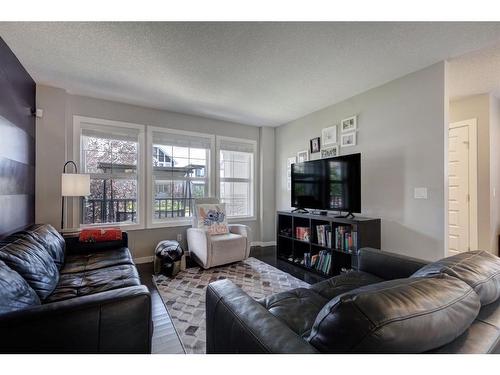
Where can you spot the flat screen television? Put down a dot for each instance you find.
(332, 184)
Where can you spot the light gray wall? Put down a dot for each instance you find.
(401, 138)
(267, 185)
(494, 173)
(56, 126)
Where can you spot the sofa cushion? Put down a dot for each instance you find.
(79, 284)
(479, 269)
(343, 283)
(32, 261)
(227, 248)
(297, 308)
(398, 316)
(93, 261)
(483, 336)
(15, 293)
(48, 237)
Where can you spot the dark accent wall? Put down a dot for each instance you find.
(17, 143)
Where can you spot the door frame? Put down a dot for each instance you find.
(473, 230)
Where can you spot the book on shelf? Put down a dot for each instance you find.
(314, 260)
(320, 262)
(302, 233)
(324, 262)
(324, 235)
(346, 239)
(307, 259)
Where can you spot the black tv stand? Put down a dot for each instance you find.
(349, 215)
(300, 211)
(291, 245)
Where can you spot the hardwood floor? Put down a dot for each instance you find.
(165, 339)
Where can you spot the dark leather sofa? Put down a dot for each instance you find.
(58, 297)
(389, 304)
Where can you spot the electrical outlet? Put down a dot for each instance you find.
(179, 237)
(420, 193)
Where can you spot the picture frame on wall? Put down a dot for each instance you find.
(329, 136)
(315, 145)
(302, 156)
(349, 124)
(348, 139)
(329, 152)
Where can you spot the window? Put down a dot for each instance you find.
(180, 173)
(111, 155)
(236, 176)
(179, 168)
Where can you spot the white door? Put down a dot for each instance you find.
(458, 193)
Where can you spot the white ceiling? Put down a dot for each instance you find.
(253, 73)
(474, 73)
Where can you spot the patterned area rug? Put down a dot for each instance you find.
(184, 295)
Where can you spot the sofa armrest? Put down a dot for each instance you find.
(242, 230)
(236, 323)
(115, 321)
(74, 246)
(198, 243)
(388, 265)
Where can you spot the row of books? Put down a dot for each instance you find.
(346, 239)
(324, 233)
(321, 261)
(302, 233)
(341, 237)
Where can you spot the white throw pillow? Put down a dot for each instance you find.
(212, 218)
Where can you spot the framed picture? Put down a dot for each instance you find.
(302, 156)
(348, 139)
(329, 136)
(349, 124)
(329, 152)
(315, 145)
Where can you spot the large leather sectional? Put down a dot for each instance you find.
(58, 297)
(390, 304)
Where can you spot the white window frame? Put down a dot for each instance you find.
(253, 143)
(174, 222)
(78, 121)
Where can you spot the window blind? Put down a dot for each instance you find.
(181, 140)
(239, 146)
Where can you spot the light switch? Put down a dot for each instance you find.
(420, 193)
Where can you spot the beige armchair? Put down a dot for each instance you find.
(215, 250)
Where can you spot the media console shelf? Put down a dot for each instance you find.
(333, 243)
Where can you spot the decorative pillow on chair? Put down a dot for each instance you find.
(212, 218)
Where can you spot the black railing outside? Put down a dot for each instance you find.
(118, 210)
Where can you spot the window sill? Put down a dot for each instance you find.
(236, 219)
(170, 224)
(125, 227)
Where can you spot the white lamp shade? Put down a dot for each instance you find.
(75, 185)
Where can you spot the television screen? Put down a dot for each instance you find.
(328, 184)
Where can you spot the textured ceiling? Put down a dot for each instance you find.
(476, 72)
(253, 73)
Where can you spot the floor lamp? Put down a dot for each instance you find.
(73, 185)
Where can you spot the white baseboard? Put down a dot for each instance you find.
(144, 260)
(151, 258)
(263, 244)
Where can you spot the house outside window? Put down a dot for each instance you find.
(111, 155)
(180, 173)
